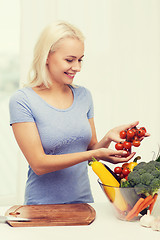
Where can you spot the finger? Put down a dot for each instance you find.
(121, 140)
(126, 158)
(123, 159)
(131, 125)
(147, 134)
(118, 153)
(130, 156)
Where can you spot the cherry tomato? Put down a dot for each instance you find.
(127, 145)
(130, 134)
(125, 165)
(136, 143)
(123, 134)
(143, 128)
(127, 153)
(126, 177)
(121, 176)
(136, 138)
(134, 130)
(119, 146)
(118, 170)
(140, 133)
(125, 171)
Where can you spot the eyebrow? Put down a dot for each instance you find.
(75, 56)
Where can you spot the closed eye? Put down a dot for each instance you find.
(73, 59)
(69, 60)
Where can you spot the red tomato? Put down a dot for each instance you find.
(143, 128)
(123, 134)
(119, 146)
(118, 170)
(134, 130)
(136, 143)
(124, 165)
(136, 138)
(127, 145)
(140, 133)
(125, 171)
(121, 176)
(127, 153)
(126, 177)
(130, 134)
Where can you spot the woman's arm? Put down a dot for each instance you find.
(28, 139)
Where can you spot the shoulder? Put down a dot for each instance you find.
(21, 93)
(19, 107)
(20, 96)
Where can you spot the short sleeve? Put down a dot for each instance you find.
(19, 108)
(90, 113)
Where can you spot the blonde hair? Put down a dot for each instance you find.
(48, 41)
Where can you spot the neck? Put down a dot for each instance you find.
(58, 88)
(54, 88)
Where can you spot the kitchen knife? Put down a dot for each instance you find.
(4, 219)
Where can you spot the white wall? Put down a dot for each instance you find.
(121, 64)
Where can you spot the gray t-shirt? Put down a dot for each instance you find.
(61, 132)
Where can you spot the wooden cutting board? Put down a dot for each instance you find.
(52, 215)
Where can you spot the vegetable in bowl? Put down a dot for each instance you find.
(133, 196)
(145, 179)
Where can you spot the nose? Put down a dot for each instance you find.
(76, 66)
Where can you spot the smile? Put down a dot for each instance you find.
(70, 75)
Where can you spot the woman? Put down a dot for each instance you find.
(53, 123)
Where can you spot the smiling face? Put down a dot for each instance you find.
(65, 61)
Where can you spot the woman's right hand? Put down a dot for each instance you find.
(114, 156)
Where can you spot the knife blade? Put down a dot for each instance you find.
(4, 219)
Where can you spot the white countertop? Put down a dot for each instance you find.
(105, 226)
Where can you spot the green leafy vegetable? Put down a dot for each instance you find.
(145, 178)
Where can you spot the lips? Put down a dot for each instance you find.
(70, 75)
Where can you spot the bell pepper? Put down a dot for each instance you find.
(131, 165)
